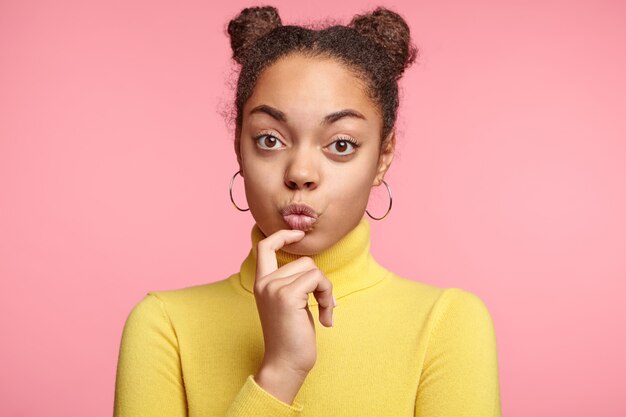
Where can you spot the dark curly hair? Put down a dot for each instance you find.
(375, 46)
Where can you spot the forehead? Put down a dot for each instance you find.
(310, 87)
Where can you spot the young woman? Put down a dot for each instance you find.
(315, 114)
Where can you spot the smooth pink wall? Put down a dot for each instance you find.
(509, 181)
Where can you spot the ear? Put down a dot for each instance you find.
(385, 158)
(237, 145)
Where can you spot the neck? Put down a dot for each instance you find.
(348, 263)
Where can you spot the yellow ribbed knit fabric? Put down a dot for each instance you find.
(398, 347)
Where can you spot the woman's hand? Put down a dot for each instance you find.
(282, 301)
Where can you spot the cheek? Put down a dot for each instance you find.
(350, 189)
(353, 192)
(260, 173)
(262, 182)
(256, 184)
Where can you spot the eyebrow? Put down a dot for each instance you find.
(328, 119)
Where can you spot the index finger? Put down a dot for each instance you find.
(266, 262)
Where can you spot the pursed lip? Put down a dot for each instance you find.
(299, 208)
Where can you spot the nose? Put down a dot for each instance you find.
(302, 171)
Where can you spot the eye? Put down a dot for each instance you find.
(266, 141)
(344, 143)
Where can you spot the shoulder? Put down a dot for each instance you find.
(411, 289)
(148, 309)
(147, 327)
(201, 294)
(461, 315)
(443, 300)
(444, 306)
(461, 302)
(176, 306)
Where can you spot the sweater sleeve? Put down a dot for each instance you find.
(149, 380)
(149, 377)
(252, 400)
(460, 373)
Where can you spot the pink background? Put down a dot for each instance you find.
(509, 182)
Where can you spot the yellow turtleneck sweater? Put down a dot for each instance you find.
(398, 348)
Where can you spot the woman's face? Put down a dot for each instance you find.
(292, 150)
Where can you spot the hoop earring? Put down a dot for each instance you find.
(231, 192)
(390, 202)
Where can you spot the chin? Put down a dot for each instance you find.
(302, 247)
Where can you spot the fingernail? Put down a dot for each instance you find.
(334, 301)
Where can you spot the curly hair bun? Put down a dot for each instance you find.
(251, 24)
(388, 29)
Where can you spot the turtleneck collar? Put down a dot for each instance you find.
(348, 263)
